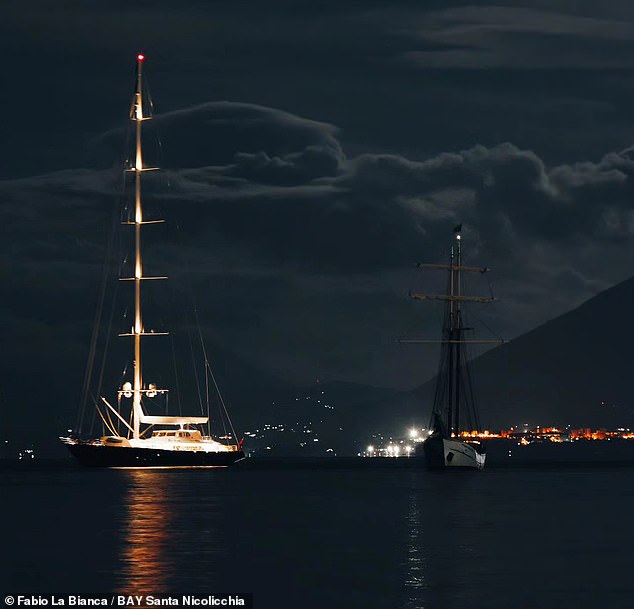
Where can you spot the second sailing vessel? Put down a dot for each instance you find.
(454, 411)
(145, 441)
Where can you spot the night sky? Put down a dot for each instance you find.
(314, 153)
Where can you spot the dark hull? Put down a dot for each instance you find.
(434, 452)
(94, 455)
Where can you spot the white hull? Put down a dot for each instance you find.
(461, 454)
(443, 453)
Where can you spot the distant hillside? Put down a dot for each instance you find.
(323, 419)
(252, 395)
(575, 369)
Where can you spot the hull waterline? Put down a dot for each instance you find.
(91, 455)
(444, 453)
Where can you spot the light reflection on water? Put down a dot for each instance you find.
(416, 578)
(147, 527)
(170, 531)
(315, 538)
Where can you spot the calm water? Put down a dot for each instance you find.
(326, 538)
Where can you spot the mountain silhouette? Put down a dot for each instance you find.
(573, 370)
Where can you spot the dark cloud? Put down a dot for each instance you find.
(484, 37)
(310, 246)
(362, 135)
(553, 78)
(218, 133)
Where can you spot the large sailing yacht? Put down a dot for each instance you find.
(454, 411)
(148, 440)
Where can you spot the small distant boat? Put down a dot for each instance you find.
(454, 410)
(146, 442)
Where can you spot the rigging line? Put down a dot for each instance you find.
(196, 377)
(113, 301)
(112, 241)
(202, 344)
(111, 430)
(115, 411)
(107, 343)
(161, 153)
(190, 293)
(146, 430)
(176, 377)
(472, 396)
(467, 391)
(222, 419)
(114, 428)
(488, 328)
(147, 97)
(93, 419)
(130, 422)
(172, 341)
(171, 305)
(189, 290)
(209, 372)
(206, 366)
(224, 406)
(440, 391)
(103, 427)
(207, 369)
(490, 287)
(90, 363)
(502, 340)
(481, 320)
(207, 395)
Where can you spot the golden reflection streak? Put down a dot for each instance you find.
(145, 556)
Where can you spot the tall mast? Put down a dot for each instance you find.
(137, 168)
(450, 346)
(449, 381)
(458, 337)
(137, 116)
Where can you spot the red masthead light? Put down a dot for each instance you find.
(140, 57)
